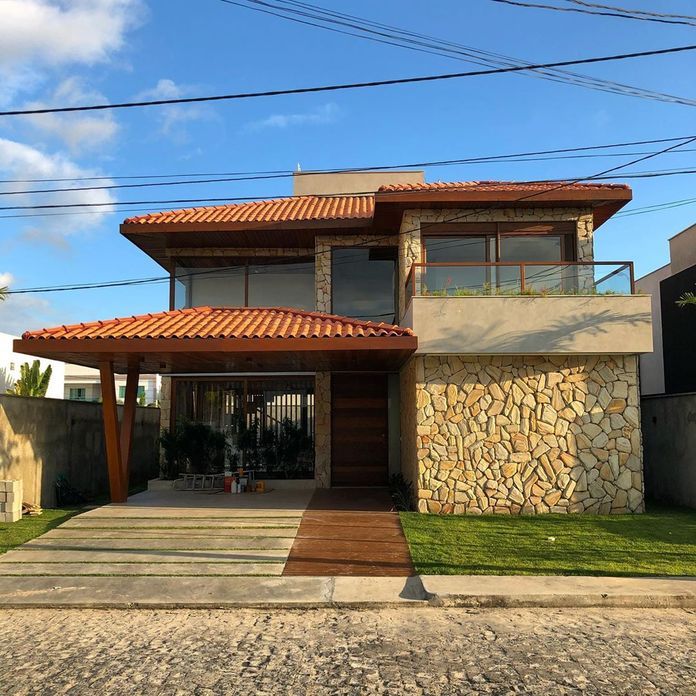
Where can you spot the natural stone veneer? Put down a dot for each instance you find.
(524, 434)
(322, 429)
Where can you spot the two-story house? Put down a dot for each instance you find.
(461, 334)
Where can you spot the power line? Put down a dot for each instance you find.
(302, 12)
(348, 86)
(613, 12)
(255, 176)
(250, 199)
(420, 227)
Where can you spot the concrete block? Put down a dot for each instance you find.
(3, 497)
(12, 499)
(11, 516)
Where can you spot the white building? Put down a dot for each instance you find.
(10, 362)
(82, 384)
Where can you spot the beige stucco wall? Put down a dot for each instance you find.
(525, 434)
(416, 221)
(682, 250)
(328, 183)
(529, 325)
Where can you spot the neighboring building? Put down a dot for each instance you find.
(10, 363)
(459, 333)
(83, 384)
(671, 368)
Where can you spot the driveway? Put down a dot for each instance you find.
(174, 533)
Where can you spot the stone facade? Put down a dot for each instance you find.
(322, 429)
(165, 402)
(416, 221)
(322, 260)
(525, 434)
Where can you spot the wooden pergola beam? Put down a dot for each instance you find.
(127, 422)
(112, 441)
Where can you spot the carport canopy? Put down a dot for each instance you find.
(211, 340)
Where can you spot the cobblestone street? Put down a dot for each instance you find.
(389, 651)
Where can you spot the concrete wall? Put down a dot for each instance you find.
(669, 442)
(652, 368)
(309, 183)
(528, 325)
(682, 249)
(42, 438)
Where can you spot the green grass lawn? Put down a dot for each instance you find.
(16, 533)
(660, 542)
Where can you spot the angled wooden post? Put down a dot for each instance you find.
(127, 422)
(111, 432)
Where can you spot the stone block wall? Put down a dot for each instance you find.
(10, 501)
(525, 434)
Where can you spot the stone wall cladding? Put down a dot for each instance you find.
(322, 260)
(416, 221)
(528, 434)
(165, 402)
(322, 429)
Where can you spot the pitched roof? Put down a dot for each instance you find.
(498, 186)
(222, 322)
(296, 208)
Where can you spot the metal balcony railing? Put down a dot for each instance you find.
(462, 279)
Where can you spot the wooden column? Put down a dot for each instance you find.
(128, 419)
(111, 433)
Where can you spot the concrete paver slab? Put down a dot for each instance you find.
(142, 569)
(87, 546)
(83, 522)
(155, 533)
(143, 556)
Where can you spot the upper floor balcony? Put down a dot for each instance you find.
(527, 308)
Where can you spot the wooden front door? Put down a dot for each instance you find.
(359, 429)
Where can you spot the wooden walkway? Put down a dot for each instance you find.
(350, 531)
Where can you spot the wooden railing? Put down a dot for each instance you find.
(531, 278)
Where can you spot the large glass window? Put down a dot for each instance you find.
(468, 252)
(268, 423)
(252, 283)
(363, 283)
(286, 284)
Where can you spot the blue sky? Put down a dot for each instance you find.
(58, 52)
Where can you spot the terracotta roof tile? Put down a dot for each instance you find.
(494, 186)
(223, 322)
(296, 208)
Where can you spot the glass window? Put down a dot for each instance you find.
(78, 393)
(268, 423)
(282, 284)
(122, 391)
(457, 280)
(222, 287)
(363, 283)
(533, 248)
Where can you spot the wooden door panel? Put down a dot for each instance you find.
(359, 430)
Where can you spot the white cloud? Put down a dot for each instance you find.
(174, 117)
(20, 161)
(328, 113)
(6, 280)
(64, 31)
(78, 132)
(19, 313)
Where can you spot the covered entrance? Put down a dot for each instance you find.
(359, 429)
(228, 341)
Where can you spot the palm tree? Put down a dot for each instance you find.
(688, 298)
(32, 382)
(3, 293)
